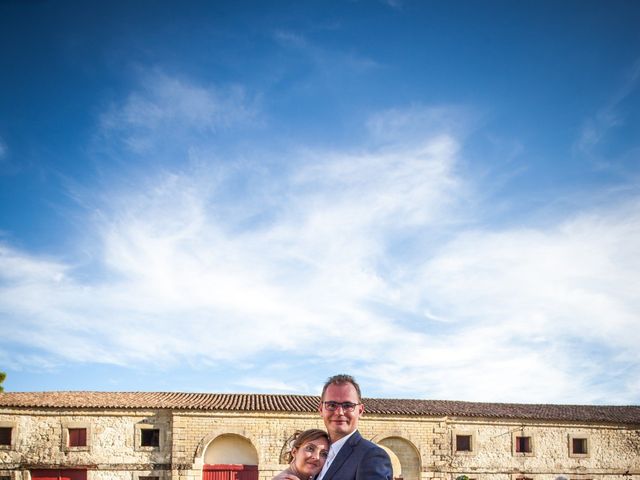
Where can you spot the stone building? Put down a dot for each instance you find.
(185, 436)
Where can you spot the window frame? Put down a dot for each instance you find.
(514, 443)
(139, 427)
(463, 433)
(66, 437)
(579, 436)
(144, 474)
(14, 434)
(523, 476)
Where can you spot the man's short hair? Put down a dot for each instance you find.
(341, 379)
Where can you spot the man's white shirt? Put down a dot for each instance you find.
(333, 451)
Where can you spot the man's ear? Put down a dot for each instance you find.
(320, 407)
(361, 408)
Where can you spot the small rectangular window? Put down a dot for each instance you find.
(463, 443)
(5, 435)
(149, 477)
(579, 446)
(77, 437)
(523, 444)
(150, 437)
(5, 477)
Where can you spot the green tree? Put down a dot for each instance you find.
(2, 377)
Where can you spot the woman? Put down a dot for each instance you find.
(307, 456)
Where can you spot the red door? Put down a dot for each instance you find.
(230, 472)
(67, 474)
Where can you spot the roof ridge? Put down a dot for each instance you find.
(297, 395)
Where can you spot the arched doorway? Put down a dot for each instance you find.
(396, 466)
(405, 459)
(230, 457)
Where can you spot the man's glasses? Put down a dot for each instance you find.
(346, 406)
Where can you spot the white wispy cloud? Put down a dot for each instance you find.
(7, 167)
(598, 126)
(172, 252)
(395, 4)
(290, 39)
(341, 256)
(326, 62)
(416, 122)
(531, 314)
(166, 106)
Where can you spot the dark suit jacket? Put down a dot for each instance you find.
(360, 459)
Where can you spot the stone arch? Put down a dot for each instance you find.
(227, 437)
(230, 448)
(406, 464)
(397, 432)
(396, 466)
(286, 448)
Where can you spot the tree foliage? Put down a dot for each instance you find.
(2, 377)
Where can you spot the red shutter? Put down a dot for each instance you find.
(523, 444)
(230, 472)
(59, 474)
(77, 437)
(249, 472)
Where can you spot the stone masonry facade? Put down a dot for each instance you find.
(422, 445)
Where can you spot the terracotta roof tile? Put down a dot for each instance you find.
(308, 403)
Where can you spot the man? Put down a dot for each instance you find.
(351, 457)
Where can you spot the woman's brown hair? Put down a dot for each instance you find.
(301, 437)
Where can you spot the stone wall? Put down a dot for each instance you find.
(111, 452)
(612, 451)
(422, 447)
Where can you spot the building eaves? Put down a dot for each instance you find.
(628, 415)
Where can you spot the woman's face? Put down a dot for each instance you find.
(310, 457)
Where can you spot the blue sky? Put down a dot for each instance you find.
(441, 198)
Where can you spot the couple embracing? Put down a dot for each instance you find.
(340, 453)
